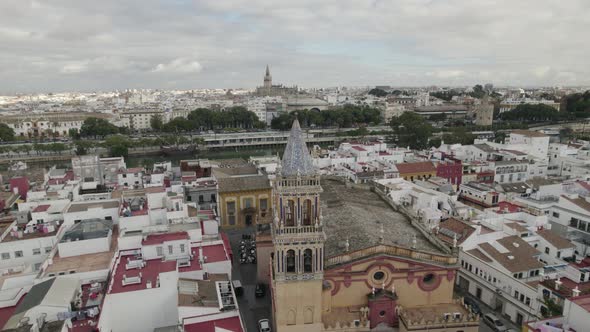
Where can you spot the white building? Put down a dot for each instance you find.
(536, 143)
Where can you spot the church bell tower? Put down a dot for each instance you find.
(298, 240)
(267, 79)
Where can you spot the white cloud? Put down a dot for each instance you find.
(180, 65)
(306, 42)
(75, 67)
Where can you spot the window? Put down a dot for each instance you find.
(516, 293)
(201, 199)
(555, 214)
(291, 261)
(307, 261)
(231, 212)
(189, 198)
(37, 251)
(428, 279)
(547, 250)
(248, 202)
(379, 275)
(48, 249)
(213, 198)
(159, 251)
(528, 301)
(170, 250)
(573, 222)
(18, 254)
(307, 212)
(109, 218)
(182, 248)
(558, 254)
(263, 204)
(5, 255)
(290, 213)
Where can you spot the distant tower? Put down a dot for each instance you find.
(298, 239)
(267, 79)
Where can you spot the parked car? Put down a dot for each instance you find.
(264, 325)
(494, 322)
(259, 290)
(473, 304)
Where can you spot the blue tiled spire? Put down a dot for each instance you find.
(296, 159)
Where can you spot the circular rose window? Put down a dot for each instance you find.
(379, 275)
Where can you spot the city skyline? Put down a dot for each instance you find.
(66, 46)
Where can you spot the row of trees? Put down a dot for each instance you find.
(412, 130)
(344, 117)
(99, 128)
(534, 113)
(578, 104)
(35, 149)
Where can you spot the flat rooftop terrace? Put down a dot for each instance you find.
(358, 215)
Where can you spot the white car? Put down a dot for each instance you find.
(264, 325)
(495, 323)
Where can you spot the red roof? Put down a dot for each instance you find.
(419, 167)
(165, 237)
(150, 272)
(215, 253)
(358, 148)
(42, 208)
(231, 324)
(383, 153)
(7, 312)
(510, 207)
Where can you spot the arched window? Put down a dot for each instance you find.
(290, 213)
(308, 316)
(291, 261)
(307, 261)
(307, 212)
(291, 317)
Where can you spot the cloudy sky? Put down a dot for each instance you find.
(65, 45)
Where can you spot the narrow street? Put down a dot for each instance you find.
(252, 308)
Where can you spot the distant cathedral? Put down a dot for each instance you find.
(267, 89)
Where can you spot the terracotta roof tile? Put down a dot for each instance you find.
(419, 167)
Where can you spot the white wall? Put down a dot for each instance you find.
(575, 316)
(98, 212)
(150, 252)
(143, 310)
(83, 247)
(26, 246)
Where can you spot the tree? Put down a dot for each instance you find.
(446, 95)
(118, 145)
(156, 122)
(459, 135)
(478, 92)
(410, 129)
(73, 133)
(565, 134)
(82, 147)
(6, 133)
(95, 127)
(532, 113)
(578, 104)
(377, 92)
(552, 308)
